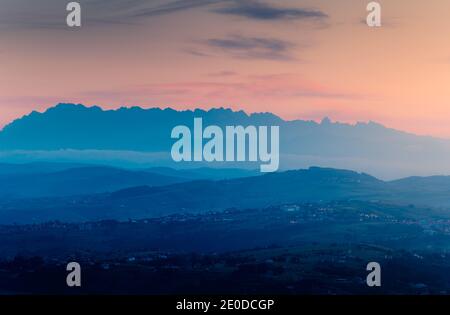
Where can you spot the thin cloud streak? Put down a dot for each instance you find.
(49, 14)
(253, 47)
(261, 11)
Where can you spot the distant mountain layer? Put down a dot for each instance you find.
(77, 181)
(66, 179)
(367, 147)
(312, 185)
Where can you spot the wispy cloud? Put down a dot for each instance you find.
(49, 14)
(172, 6)
(196, 52)
(253, 47)
(276, 88)
(46, 14)
(388, 22)
(224, 73)
(258, 10)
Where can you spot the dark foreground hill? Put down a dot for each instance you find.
(297, 248)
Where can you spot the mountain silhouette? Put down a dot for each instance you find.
(70, 126)
(70, 129)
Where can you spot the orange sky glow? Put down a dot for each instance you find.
(222, 54)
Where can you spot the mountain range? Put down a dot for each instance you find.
(137, 137)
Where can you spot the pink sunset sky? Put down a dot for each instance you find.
(300, 59)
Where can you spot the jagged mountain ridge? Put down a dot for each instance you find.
(367, 147)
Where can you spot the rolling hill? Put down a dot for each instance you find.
(47, 179)
(76, 181)
(142, 201)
